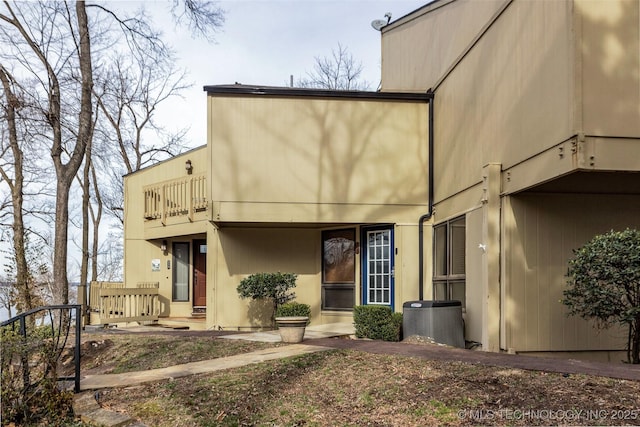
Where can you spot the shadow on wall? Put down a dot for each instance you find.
(271, 249)
(259, 313)
(164, 306)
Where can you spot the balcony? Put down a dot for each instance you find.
(184, 197)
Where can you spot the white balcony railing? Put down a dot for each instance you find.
(115, 303)
(178, 197)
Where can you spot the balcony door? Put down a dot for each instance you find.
(199, 273)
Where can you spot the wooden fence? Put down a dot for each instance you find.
(115, 303)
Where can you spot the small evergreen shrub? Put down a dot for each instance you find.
(377, 322)
(274, 287)
(293, 309)
(604, 284)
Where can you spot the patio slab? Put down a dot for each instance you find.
(328, 330)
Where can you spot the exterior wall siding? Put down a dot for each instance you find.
(540, 232)
(418, 49)
(509, 99)
(317, 160)
(609, 55)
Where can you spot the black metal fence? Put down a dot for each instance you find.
(59, 318)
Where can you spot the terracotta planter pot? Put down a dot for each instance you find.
(292, 328)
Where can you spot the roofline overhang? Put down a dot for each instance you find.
(430, 6)
(275, 91)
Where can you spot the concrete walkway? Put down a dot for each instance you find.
(86, 407)
(93, 382)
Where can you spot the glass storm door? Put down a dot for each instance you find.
(378, 267)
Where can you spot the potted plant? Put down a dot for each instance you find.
(292, 318)
(275, 287)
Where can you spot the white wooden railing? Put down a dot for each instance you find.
(184, 196)
(115, 303)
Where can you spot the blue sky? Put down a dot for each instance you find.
(263, 42)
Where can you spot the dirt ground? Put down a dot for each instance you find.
(351, 386)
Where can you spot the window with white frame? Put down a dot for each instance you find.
(449, 260)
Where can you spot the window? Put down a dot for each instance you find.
(449, 261)
(180, 272)
(338, 269)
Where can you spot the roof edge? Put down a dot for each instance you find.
(184, 153)
(276, 91)
(415, 14)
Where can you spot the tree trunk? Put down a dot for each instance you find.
(97, 218)
(61, 282)
(84, 263)
(66, 172)
(634, 341)
(25, 300)
(23, 282)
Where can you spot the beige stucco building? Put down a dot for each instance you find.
(506, 134)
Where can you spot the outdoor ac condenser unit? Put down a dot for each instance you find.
(439, 320)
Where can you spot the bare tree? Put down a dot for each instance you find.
(129, 96)
(51, 43)
(7, 296)
(19, 170)
(203, 18)
(56, 61)
(85, 183)
(340, 71)
(16, 186)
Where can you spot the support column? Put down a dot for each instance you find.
(491, 260)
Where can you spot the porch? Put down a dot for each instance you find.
(113, 303)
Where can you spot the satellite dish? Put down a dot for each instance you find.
(377, 24)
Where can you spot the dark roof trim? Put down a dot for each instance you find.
(174, 156)
(429, 7)
(239, 89)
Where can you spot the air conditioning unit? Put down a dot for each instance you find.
(439, 320)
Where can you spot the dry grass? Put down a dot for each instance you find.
(349, 388)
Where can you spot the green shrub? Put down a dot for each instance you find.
(377, 322)
(604, 284)
(293, 309)
(270, 286)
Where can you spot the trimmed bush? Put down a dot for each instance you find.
(274, 287)
(293, 309)
(377, 322)
(604, 284)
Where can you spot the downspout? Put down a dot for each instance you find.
(429, 213)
